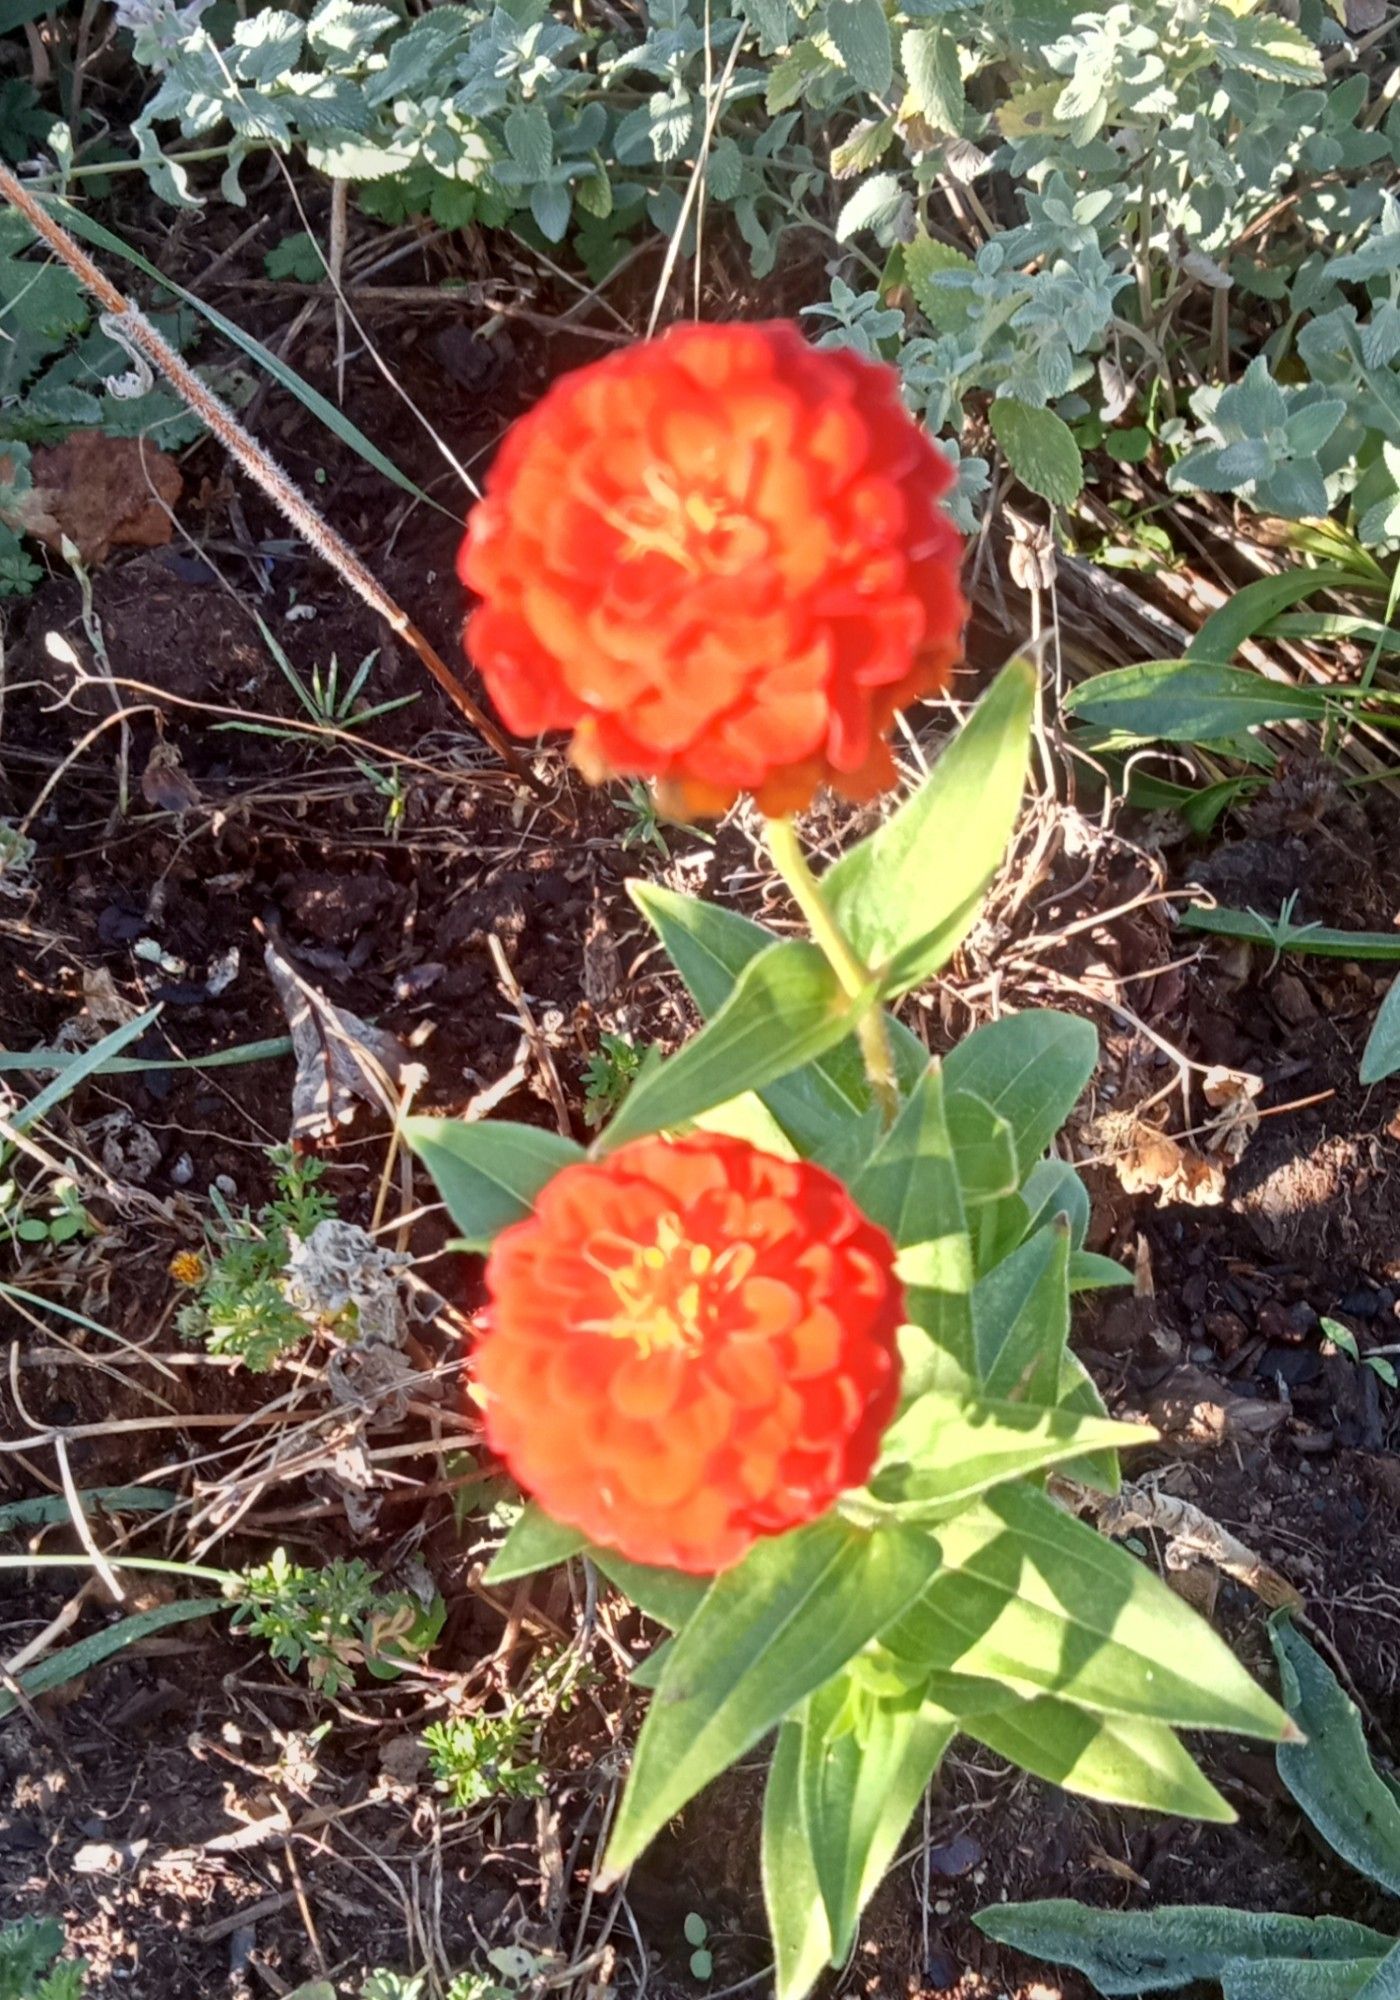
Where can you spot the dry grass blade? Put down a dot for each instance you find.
(257, 463)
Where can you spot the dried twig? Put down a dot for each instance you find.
(256, 462)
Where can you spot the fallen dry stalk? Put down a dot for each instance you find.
(256, 462)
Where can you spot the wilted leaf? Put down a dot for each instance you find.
(99, 493)
(340, 1059)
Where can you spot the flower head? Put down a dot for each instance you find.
(690, 1344)
(719, 559)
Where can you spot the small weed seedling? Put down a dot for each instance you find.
(334, 1620)
(697, 1931)
(28, 1969)
(242, 1306)
(54, 1217)
(476, 1757)
(608, 1075)
(1344, 1339)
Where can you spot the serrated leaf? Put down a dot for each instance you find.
(877, 204)
(1040, 449)
(863, 148)
(488, 1174)
(860, 30)
(769, 1632)
(791, 73)
(530, 139)
(908, 895)
(551, 204)
(941, 305)
(724, 170)
(268, 44)
(934, 74)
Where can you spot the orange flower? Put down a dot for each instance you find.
(718, 559)
(690, 1344)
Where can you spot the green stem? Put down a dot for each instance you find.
(855, 976)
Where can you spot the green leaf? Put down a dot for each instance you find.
(1040, 449)
(43, 1509)
(1020, 1319)
(859, 1788)
(791, 1891)
(87, 1064)
(488, 1174)
(984, 1148)
(1089, 1272)
(710, 946)
(1303, 1979)
(908, 895)
(769, 1632)
(667, 1595)
(1186, 701)
(1157, 1951)
(943, 306)
(1331, 1774)
(1031, 1069)
(534, 1543)
(934, 72)
(861, 33)
(877, 204)
(1034, 1599)
(787, 1007)
(1051, 1189)
(791, 74)
(1308, 940)
(1120, 1758)
(1381, 1056)
(945, 1449)
(909, 1186)
(70, 1661)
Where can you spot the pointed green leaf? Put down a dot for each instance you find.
(1331, 1774)
(1129, 1952)
(85, 1654)
(908, 895)
(787, 1007)
(1031, 1068)
(984, 1148)
(1089, 1272)
(710, 947)
(1078, 1391)
(1030, 1597)
(1020, 1319)
(791, 1892)
(1052, 1188)
(1381, 1056)
(1187, 701)
(909, 1186)
(1120, 1758)
(948, 1448)
(859, 1788)
(534, 1543)
(487, 1174)
(768, 1632)
(667, 1595)
(1250, 610)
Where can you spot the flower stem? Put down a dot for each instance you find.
(855, 976)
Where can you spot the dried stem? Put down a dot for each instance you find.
(256, 462)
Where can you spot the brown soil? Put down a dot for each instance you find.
(172, 1807)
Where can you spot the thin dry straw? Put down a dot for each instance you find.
(256, 462)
